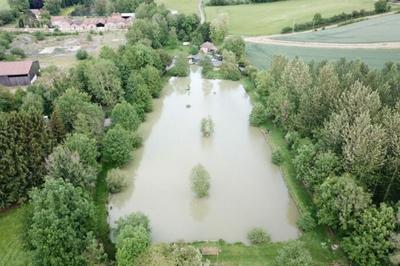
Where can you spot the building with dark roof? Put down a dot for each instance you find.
(18, 73)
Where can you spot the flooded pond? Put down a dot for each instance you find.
(246, 191)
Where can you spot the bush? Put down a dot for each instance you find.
(277, 157)
(39, 35)
(306, 222)
(287, 29)
(258, 236)
(194, 50)
(181, 68)
(258, 115)
(206, 65)
(200, 179)
(134, 219)
(116, 181)
(207, 127)
(18, 52)
(131, 242)
(294, 254)
(82, 54)
(6, 16)
(381, 6)
(89, 37)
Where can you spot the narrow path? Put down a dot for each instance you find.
(200, 6)
(379, 45)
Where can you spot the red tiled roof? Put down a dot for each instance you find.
(15, 68)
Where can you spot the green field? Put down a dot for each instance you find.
(260, 55)
(270, 18)
(182, 6)
(4, 5)
(380, 29)
(11, 250)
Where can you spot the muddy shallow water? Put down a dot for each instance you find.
(247, 190)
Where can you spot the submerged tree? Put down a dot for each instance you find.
(200, 179)
(207, 127)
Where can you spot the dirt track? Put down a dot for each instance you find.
(380, 45)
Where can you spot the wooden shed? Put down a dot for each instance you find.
(18, 73)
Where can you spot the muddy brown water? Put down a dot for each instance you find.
(247, 190)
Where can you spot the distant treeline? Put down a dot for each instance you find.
(237, 2)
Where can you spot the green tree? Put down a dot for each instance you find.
(117, 145)
(370, 244)
(90, 121)
(152, 78)
(340, 202)
(103, 83)
(236, 45)
(294, 254)
(200, 180)
(67, 165)
(219, 28)
(61, 218)
(53, 6)
(32, 102)
(125, 115)
(181, 67)
(85, 146)
(57, 127)
(140, 95)
(100, 7)
(229, 68)
(19, 6)
(381, 6)
(131, 242)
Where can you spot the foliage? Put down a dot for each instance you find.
(185, 254)
(206, 65)
(258, 236)
(306, 222)
(117, 145)
(125, 115)
(131, 242)
(200, 180)
(66, 164)
(181, 67)
(229, 68)
(381, 6)
(139, 94)
(61, 218)
(116, 181)
(207, 127)
(25, 142)
(134, 219)
(32, 103)
(294, 254)
(94, 253)
(340, 201)
(53, 6)
(85, 146)
(277, 157)
(82, 54)
(236, 45)
(370, 241)
(258, 115)
(219, 28)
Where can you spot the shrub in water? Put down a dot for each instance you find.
(306, 222)
(115, 181)
(82, 54)
(258, 236)
(277, 157)
(258, 115)
(207, 127)
(200, 179)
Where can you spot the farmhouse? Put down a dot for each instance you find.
(115, 21)
(208, 47)
(18, 73)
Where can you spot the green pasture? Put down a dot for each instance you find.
(379, 29)
(4, 5)
(11, 243)
(260, 55)
(182, 6)
(270, 18)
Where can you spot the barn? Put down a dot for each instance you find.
(18, 73)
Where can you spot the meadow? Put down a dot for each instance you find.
(182, 6)
(380, 29)
(4, 5)
(270, 18)
(260, 55)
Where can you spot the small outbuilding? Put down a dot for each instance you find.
(18, 73)
(208, 47)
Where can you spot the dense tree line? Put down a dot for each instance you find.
(342, 124)
(237, 2)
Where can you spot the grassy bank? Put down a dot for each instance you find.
(11, 242)
(261, 55)
(270, 18)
